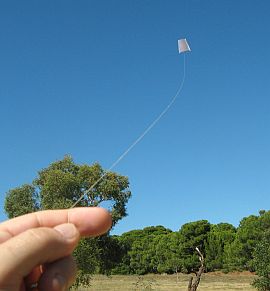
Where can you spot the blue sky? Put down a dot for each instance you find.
(85, 78)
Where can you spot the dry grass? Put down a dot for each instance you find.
(209, 282)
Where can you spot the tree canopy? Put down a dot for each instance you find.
(63, 182)
(261, 263)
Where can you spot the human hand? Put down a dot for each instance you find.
(36, 248)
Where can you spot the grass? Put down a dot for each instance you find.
(209, 282)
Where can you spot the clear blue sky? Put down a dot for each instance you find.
(85, 78)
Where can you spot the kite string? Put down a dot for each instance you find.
(153, 123)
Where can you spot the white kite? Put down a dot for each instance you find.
(183, 46)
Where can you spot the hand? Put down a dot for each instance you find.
(36, 248)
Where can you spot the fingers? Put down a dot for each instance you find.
(44, 237)
(91, 221)
(34, 247)
(58, 275)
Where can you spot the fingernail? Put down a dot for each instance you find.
(68, 230)
(60, 282)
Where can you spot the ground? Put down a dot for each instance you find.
(210, 282)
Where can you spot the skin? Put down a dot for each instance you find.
(37, 247)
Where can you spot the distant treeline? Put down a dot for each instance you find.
(156, 249)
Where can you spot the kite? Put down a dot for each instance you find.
(183, 47)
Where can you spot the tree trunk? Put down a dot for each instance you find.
(193, 286)
(190, 283)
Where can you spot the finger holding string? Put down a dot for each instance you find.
(43, 239)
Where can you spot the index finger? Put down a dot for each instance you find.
(90, 221)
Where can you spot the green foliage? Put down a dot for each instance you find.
(138, 249)
(142, 254)
(87, 255)
(21, 200)
(218, 238)
(261, 263)
(238, 254)
(110, 253)
(168, 253)
(192, 235)
(159, 250)
(63, 182)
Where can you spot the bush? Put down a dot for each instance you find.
(261, 263)
(82, 280)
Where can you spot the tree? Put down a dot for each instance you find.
(63, 183)
(261, 263)
(143, 256)
(192, 235)
(21, 200)
(239, 254)
(111, 253)
(168, 253)
(218, 238)
(138, 250)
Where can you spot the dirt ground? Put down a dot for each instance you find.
(209, 282)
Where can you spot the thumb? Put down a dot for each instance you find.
(34, 247)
